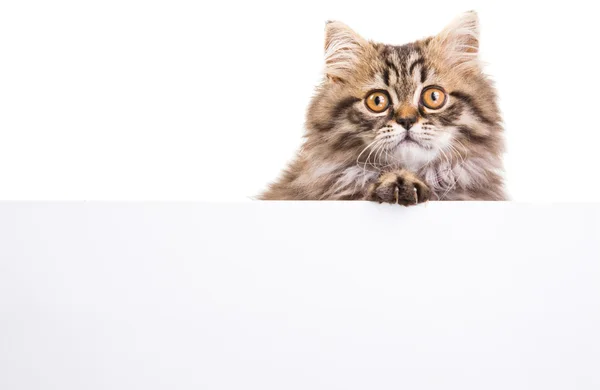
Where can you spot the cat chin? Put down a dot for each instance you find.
(414, 156)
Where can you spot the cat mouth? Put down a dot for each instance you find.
(408, 140)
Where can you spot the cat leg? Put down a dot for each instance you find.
(398, 187)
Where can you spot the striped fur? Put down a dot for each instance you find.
(454, 152)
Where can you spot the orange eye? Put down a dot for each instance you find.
(377, 101)
(433, 97)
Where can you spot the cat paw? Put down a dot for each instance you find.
(399, 187)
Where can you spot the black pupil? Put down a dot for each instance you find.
(435, 96)
(378, 100)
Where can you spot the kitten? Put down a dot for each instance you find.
(400, 124)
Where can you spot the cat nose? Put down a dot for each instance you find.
(407, 122)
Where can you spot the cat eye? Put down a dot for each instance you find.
(377, 101)
(433, 97)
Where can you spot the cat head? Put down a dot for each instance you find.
(411, 104)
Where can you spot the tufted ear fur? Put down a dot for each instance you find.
(343, 50)
(458, 43)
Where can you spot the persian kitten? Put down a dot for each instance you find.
(400, 124)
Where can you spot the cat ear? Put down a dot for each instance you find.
(343, 49)
(459, 41)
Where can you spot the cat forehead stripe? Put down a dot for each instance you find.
(400, 64)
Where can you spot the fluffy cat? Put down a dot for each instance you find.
(400, 124)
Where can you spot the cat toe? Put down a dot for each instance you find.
(399, 188)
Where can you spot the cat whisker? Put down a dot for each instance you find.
(438, 174)
(387, 158)
(460, 165)
(367, 147)
(367, 161)
(382, 148)
(377, 148)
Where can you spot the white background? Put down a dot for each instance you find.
(206, 100)
(222, 296)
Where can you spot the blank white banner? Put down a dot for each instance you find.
(299, 295)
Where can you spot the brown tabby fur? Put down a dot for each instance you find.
(351, 153)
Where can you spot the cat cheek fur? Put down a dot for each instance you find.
(459, 148)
